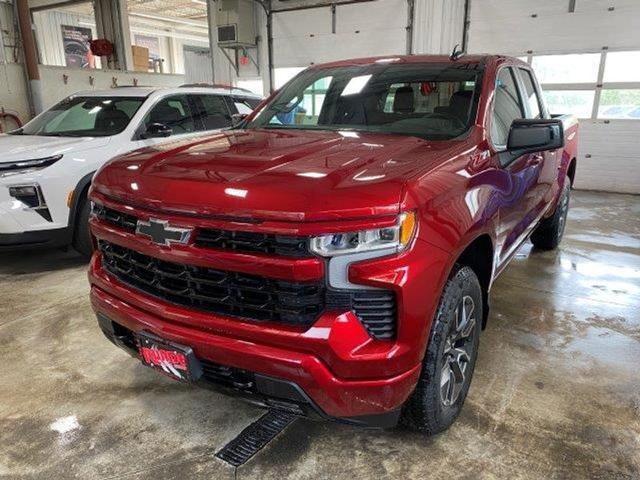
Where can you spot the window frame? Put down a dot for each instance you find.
(499, 148)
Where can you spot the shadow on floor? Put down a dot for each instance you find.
(26, 262)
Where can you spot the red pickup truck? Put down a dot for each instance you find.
(332, 255)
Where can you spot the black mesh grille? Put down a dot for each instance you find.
(238, 241)
(123, 220)
(217, 291)
(289, 246)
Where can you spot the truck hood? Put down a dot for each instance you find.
(291, 175)
(27, 147)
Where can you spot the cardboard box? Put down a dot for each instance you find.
(140, 58)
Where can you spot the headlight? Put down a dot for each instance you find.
(25, 166)
(397, 236)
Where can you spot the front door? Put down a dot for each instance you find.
(520, 197)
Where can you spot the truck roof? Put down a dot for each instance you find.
(146, 91)
(408, 59)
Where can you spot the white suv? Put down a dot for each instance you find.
(46, 167)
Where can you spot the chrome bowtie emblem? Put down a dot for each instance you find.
(160, 232)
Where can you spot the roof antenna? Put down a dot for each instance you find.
(456, 54)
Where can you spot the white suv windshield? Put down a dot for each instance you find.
(433, 101)
(84, 117)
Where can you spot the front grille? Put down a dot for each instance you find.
(222, 292)
(114, 217)
(237, 241)
(289, 246)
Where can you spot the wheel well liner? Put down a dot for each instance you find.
(479, 256)
(571, 171)
(78, 194)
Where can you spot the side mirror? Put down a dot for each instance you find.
(238, 118)
(157, 130)
(536, 135)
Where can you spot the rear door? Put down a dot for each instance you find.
(518, 185)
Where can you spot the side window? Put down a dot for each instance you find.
(531, 95)
(173, 112)
(242, 105)
(507, 107)
(212, 111)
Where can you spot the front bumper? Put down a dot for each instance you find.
(337, 367)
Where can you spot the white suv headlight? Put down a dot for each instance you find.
(25, 166)
(398, 236)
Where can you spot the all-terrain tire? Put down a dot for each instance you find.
(426, 410)
(548, 234)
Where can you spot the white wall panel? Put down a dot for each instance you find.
(608, 156)
(305, 37)
(13, 91)
(508, 26)
(438, 25)
(55, 88)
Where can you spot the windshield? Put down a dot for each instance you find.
(432, 101)
(84, 117)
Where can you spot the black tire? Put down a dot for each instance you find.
(81, 236)
(548, 234)
(430, 409)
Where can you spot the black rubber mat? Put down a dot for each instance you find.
(255, 437)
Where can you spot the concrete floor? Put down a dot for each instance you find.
(556, 392)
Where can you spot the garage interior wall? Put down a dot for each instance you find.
(13, 94)
(608, 148)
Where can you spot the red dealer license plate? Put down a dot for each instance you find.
(176, 361)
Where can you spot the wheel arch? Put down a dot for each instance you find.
(478, 255)
(571, 170)
(79, 193)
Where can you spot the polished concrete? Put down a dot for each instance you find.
(556, 392)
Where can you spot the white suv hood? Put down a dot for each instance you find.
(27, 147)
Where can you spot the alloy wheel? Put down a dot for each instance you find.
(457, 352)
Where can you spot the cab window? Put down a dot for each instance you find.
(531, 94)
(507, 107)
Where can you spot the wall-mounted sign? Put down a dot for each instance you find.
(77, 53)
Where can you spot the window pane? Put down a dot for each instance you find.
(214, 112)
(622, 67)
(506, 107)
(575, 102)
(619, 104)
(575, 68)
(85, 116)
(531, 95)
(173, 112)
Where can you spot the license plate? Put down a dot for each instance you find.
(176, 361)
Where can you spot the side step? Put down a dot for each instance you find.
(255, 437)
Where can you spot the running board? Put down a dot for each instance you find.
(255, 437)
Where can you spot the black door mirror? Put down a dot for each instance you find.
(157, 130)
(238, 118)
(536, 135)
